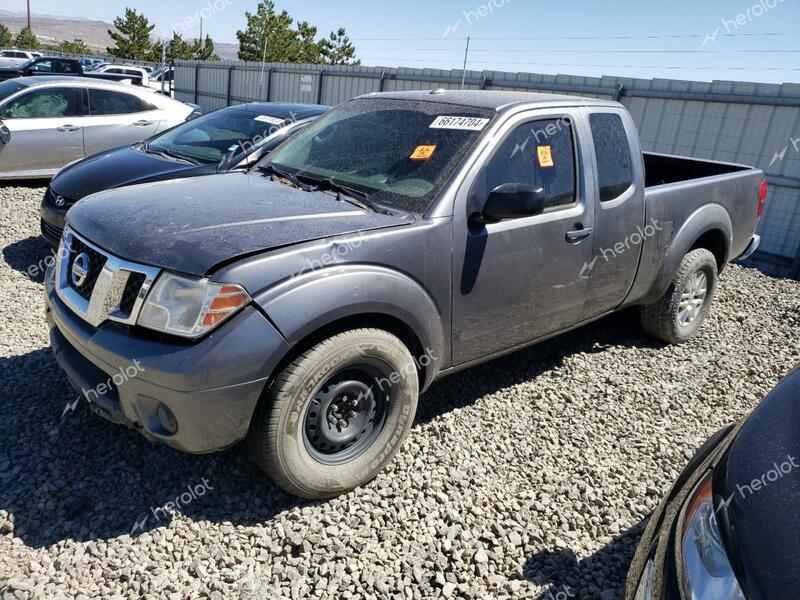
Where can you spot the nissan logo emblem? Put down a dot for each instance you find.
(59, 201)
(80, 269)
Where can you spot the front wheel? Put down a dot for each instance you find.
(678, 315)
(337, 414)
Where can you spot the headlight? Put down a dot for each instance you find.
(708, 572)
(644, 591)
(189, 307)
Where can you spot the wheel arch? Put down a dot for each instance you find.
(709, 227)
(315, 306)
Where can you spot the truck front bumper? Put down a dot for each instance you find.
(195, 397)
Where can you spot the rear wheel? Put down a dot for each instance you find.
(678, 315)
(337, 414)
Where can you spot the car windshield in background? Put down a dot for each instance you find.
(217, 136)
(399, 153)
(9, 87)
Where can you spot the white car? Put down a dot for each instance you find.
(138, 72)
(47, 122)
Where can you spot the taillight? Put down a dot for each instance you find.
(762, 197)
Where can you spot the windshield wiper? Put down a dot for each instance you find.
(353, 195)
(169, 154)
(270, 168)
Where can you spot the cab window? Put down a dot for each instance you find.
(109, 102)
(540, 154)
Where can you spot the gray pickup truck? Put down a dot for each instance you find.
(305, 305)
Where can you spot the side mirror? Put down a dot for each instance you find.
(511, 201)
(5, 133)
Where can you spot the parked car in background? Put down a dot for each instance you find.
(90, 63)
(400, 237)
(163, 79)
(22, 55)
(127, 70)
(729, 526)
(53, 121)
(70, 67)
(228, 139)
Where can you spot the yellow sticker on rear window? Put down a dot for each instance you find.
(423, 152)
(545, 155)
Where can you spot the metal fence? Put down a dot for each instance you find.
(750, 123)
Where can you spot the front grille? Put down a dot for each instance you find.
(96, 263)
(112, 288)
(131, 292)
(51, 233)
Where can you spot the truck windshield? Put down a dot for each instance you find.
(399, 153)
(217, 136)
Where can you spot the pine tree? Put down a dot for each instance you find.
(281, 39)
(26, 40)
(76, 46)
(132, 36)
(308, 50)
(204, 50)
(337, 49)
(6, 39)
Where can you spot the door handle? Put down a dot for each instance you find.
(68, 128)
(143, 123)
(578, 235)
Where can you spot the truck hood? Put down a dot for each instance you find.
(118, 167)
(193, 225)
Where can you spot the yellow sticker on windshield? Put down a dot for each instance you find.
(423, 152)
(545, 155)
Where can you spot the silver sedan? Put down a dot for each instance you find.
(48, 122)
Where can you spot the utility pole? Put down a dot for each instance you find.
(201, 31)
(29, 16)
(263, 60)
(464, 70)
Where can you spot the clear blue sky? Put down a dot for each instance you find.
(372, 25)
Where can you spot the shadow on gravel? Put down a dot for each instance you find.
(465, 387)
(30, 256)
(66, 474)
(600, 575)
(78, 477)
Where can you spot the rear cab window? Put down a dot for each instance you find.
(613, 154)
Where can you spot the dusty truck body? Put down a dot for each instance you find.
(399, 238)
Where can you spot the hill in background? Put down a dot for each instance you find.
(55, 29)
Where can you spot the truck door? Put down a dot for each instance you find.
(520, 279)
(620, 228)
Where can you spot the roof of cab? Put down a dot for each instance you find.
(491, 99)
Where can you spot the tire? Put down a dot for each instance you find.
(337, 414)
(670, 319)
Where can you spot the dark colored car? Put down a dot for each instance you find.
(729, 527)
(53, 66)
(225, 140)
(400, 237)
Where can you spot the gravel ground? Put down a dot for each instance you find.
(526, 477)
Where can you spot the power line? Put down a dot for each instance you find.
(692, 36)
(672, 67)
(539, 50)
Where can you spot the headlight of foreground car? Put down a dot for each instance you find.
(189, 307)
(708, 572)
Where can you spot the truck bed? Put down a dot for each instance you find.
(661, 169)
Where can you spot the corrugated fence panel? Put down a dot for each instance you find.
(749, 123)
